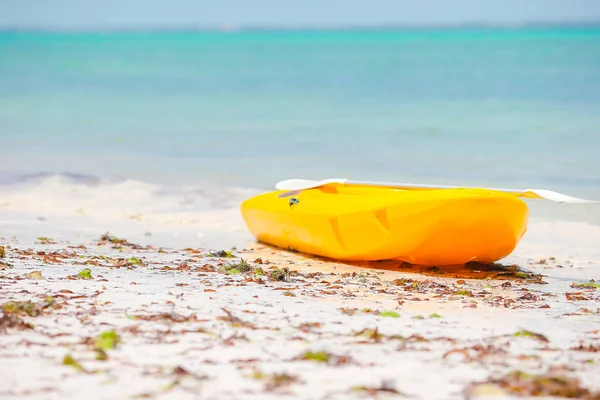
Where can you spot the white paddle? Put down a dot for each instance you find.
(302, 184)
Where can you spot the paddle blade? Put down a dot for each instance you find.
(555, 196)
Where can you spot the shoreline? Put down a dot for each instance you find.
(189, 325)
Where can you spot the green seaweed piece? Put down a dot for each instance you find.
(259, 272)
(464, 292)
(85, 273)
(526, 333)
(134, 261)
(69, 360)
(435, 315)
(586, 285)
(107, 340)
(101, 355)
(390, 314)
(319, 356)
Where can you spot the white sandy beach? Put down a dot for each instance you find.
(188, 328)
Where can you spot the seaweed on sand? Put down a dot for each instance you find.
(523, 384)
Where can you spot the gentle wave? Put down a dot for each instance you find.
(202, 206)
(73, 194)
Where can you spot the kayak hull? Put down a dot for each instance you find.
(423, 227)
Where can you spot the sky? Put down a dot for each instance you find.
(109, 14)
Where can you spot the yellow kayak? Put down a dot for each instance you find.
(423, 227)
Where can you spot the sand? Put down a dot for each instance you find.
(181, 324)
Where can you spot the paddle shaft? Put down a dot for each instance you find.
(423, 186)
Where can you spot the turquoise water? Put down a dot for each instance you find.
(516, 107)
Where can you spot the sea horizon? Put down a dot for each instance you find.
(231, 27)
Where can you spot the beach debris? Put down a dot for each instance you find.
(134, 261)
(166, 317)
(464, 292)
(280, 274)
(34, 275)
(13, 321)
(401, 281)
(221, 254)
(546, 261)
(592, 348)
(11, 315)
(433, 271)
(530, 334)
(309, 326)
(319, 356)
(240, 267)
(386, 386)
(577, 296)
(105, 341)
(13, 311)
(2, 252)
(390, 314)
(85, 273)
(275, 380)
(324, 357)
(116, 243)
(27, 308)
(233, 320)
(45, 240)
(586, 285)
(181, 375)
(70, 361)
(476, 352)
(372, 335)
(523, 384)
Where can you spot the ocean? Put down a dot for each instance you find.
(187, 124)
